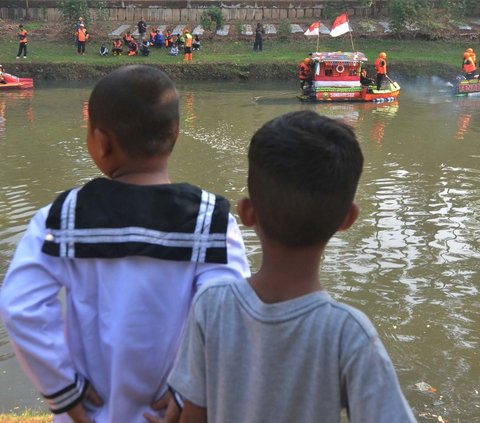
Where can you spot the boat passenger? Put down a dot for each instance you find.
(305, 74)
(472, 55)
(2, 78)
(117, 47)
(364, 79)
(381, 68)
(469, 66)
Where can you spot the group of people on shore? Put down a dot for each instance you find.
(132, 249)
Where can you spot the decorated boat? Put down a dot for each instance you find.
(336, 76)
(16, 83)
(463, 86)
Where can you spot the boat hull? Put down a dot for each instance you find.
(465, 87)
(366, 94)
(15, 83)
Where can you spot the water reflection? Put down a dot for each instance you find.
(411, 261)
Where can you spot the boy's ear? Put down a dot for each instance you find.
(103, 140)
(246, 211)
(350, 218)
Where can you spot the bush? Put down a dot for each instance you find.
(405, 13)
(71, 10)
(212, 15)
(284, 29)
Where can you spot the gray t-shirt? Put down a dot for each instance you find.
(301, 360)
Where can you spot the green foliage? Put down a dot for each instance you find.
(100, 7)
(71, 10)
(333, 9)
(284, 29)
(405, 13)
(210, 16)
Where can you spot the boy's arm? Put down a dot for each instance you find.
(193, 414)
(373, 391)
(32, 314)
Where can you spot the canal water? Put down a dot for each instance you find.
(411, 262)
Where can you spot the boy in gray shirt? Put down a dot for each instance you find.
(276, 347)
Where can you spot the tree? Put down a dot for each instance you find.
(212, 15)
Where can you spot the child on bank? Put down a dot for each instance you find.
(130, 250)
(276, 347)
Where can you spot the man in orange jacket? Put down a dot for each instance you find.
(188, 44)
(469, 66)
(381, 68)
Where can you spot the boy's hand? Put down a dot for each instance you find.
(167, 403)
(78, 413)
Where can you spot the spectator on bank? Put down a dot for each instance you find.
(103, 50)
(132, 48)
(258, 44)
(22, 45)
(128, 38)
(142, 29)
(117, 47)
(145, 47)
(196, 43)
(82, 37)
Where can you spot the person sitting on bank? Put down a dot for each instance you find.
(174, 50)
(158, 39)
(103, 50)
(469, 66)
(145, 47)
(128, 38)
(117, 47)
(196, 43)
(381, 68)
(132, 48)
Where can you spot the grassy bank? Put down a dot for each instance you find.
(26, 417)
(234, 59)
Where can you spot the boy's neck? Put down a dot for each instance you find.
(154, 172)
(287, 273)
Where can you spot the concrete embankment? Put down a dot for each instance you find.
(213, 71)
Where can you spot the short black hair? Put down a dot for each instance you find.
(139, 104)
(303, 174)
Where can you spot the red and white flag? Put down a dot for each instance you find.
(313, 29)
(340, 25)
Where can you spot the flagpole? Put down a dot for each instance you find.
(351, 39)
(318, 39)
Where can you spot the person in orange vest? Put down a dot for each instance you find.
(381, 68)
(469, 66)
(128, 38)
(472, 55)
(132, 48)
(82, 37)
(188, 44)
(22, 46)
(305, 74)
(117, 47)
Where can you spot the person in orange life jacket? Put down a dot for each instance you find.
(305, 73)
(22, 45)
(117, 47)
(381, 68)
(128, 38)
(132, 48)
(82, 37)
(469, 66)
(188, 44)
(472, 55)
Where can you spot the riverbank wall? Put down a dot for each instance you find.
(281, 71)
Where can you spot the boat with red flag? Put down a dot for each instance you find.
(341, 76)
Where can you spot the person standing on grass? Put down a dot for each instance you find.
(82, 37)
(142, 29)
(22, 45)
(258, 44)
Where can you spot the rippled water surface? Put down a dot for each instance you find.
(411, 262)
